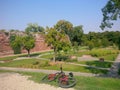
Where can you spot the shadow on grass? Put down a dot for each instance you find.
(98, 65)
(103, 64)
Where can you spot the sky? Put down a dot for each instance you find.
(17, 14)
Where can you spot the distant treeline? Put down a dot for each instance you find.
(75, 34)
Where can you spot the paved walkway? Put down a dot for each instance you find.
(47, 71)
(114, 69)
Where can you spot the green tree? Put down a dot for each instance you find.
(64, 26)
(104, 42)
(58, 41)
(111, 12)
(28, 42)
(90, 45)
(34, 28)
(15, 43)
(76, 35)
(117, 39)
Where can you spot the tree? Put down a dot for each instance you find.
(90, 45)
(58, 41)
(15, 43)
(28, 42)
(64, 26)
(76, 35)
(111, 12)
(34, 28)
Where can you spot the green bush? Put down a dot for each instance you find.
(102, 52)
(61, 58)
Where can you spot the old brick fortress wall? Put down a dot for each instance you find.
(5, 48)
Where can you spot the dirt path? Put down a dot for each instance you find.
(15, 81)
(47, 71)
(114, 69)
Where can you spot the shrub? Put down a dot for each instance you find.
(62, 58)
(102, 52)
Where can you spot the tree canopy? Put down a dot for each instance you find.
(15, 43)
(34, 28)
(111, 12)
(57, 40)
(28, 42)
(64, 26)
(76, 35)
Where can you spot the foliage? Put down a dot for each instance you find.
(28, 43)
(117, 42)
(102, 52)
(34, 28)
(111, 11)
(15, 43)
(90, 45)
(58, 41)
(64, 26)
(76, 35)
(104, 39)
(62, 57)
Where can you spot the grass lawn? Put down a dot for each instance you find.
(110, 55)
(44, 64)
(104, 64)
(83, 83)
(22, 55)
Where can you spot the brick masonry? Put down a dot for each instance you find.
(5, 48)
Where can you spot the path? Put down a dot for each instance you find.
(15, 81)
(114, 69)
(47, 71)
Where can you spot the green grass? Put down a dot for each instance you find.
(83, 83)
(107, 54)
(75, 68)
(22, 55)
(8, 58)
(44, 64)
(104, 64)
(49, 56)
(110, 57)
(25, 63)
(97, 83)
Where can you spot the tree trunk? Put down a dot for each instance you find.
(28, 53)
